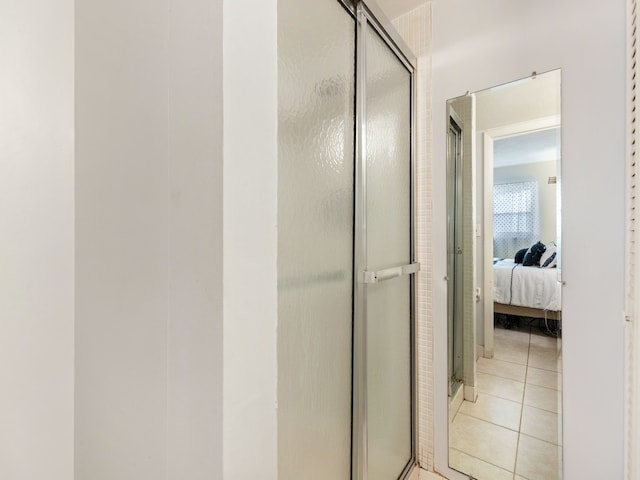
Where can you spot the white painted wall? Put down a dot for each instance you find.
(195, 292)
(250, 239)
(148, 350)
(478, 45)
(36, 245)
(146, 247)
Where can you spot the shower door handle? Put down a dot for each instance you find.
(389, 273)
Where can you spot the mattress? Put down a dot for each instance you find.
(533, 287)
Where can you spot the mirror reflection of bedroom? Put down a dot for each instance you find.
(505, 374)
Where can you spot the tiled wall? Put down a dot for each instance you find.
(415, 28)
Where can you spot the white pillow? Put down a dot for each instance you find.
(549, 257)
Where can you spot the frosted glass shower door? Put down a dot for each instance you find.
(345, 285)
(386, 253)
(316, 75)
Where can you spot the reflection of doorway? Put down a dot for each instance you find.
(543, 171)
(517, 416)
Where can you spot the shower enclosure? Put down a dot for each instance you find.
(346, 372)
(461, 246)
(454, 256)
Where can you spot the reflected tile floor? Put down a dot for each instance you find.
(513, 430)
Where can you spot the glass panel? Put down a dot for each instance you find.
(516, 197)
(388, 238)
(315, 239)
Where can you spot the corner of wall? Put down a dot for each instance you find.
(415, 28)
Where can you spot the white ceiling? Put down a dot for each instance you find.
(538, 146)
(520, 102)
(531, 147)
(394, 8)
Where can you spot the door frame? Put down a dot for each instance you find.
(368, 15)
(489, 137)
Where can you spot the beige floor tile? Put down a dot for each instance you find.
(545, 349)
(511, 335)
(538, 460)
(511, 353)
(544, 340)
(477, 468)
(500, 368)
(500, 387)
(542, 424)
(483, 440)
(545, 358)
(544, 378)
(518, 340)
(543, 398)
(494, 410)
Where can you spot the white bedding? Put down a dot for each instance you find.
(532, 287)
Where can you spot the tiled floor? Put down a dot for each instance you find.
(513, 430)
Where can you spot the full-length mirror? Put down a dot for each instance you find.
(504, 281)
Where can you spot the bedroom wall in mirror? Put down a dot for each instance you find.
(504, 281)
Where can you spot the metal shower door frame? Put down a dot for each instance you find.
(369, 16)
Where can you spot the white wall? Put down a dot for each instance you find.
(143, 265)
(194, 317)
(148, 350)
(415, 29)
(36, 245)
(478, 45)
(250, 239)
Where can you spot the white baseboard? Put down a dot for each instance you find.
(470, 393)
(482, 352)
(455, 402)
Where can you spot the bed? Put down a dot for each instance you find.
(526, 291)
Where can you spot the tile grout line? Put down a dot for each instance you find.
(526, 371)
(530, 351)
(482, 460)
(488, 421)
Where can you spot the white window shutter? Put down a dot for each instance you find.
(632, 304)
(632, 169)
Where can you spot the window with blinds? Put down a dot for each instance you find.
(515, 217)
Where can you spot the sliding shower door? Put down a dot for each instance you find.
(345, 287)
(384, 254)
(316, 72)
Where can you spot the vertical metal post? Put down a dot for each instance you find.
(360, 434)
(414, 278)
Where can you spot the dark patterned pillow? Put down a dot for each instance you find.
(545, 260)
(532, 257)
(520, 255)
(550, 262)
